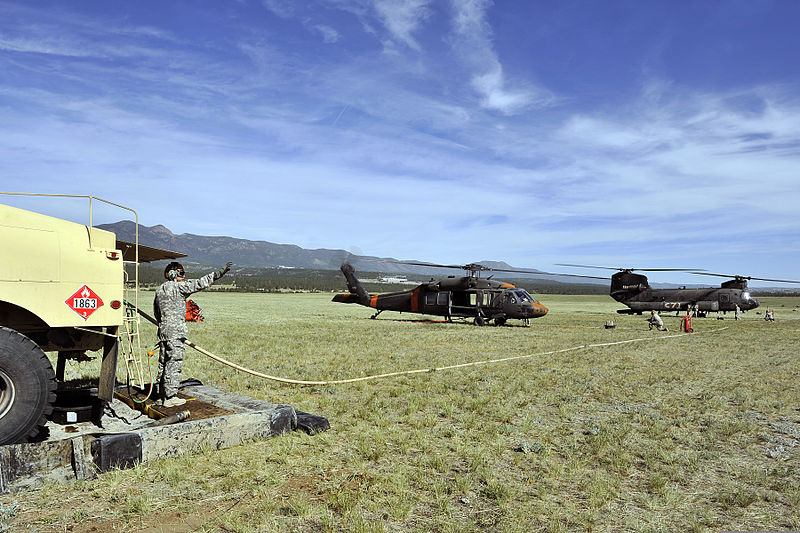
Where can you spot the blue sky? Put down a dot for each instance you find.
(610, 132)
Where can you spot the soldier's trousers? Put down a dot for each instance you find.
(170, 363)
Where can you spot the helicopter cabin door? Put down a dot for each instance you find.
(464, 303)
(724, 301)
(438, 303)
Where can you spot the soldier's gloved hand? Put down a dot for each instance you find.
(222, 271)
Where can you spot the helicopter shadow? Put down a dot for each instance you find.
(464, 321)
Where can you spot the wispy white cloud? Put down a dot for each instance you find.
(48, 46)
(329, 35)
(495, 94)
(472, 41)
(662, 173)
(282, 8)
(423, 145)
(402, 18)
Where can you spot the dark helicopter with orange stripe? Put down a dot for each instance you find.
(481, 299)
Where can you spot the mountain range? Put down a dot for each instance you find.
(212, 251)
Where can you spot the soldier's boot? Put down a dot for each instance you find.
(173, 402)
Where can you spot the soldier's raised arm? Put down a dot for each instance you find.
(222, 271)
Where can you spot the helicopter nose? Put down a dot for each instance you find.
(532, 310)
(754, 303)
(539, 309)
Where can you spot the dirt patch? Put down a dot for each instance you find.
(177, 522)
(310, 485)
(199, 409)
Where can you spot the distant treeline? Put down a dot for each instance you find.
(295, 279)
(760, 293)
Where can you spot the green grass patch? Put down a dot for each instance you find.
(697, 432)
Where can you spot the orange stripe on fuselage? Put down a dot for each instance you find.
(508, 286)
(415, 300)
(373, 301)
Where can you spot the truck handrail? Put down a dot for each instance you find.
(91, 225)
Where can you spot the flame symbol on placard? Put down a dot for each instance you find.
(85, 292)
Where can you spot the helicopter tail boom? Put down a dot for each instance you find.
(347, 298)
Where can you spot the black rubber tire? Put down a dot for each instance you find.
(479, 321)
(27, 387)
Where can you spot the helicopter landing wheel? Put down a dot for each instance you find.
(526, 321)
(500, 321)
(479, 321)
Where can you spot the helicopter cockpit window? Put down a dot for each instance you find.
(524, 296)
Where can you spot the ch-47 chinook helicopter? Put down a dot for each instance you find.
(481, 299)
(634, 291)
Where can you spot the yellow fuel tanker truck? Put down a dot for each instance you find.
(63, 290)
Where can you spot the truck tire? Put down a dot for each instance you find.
(27, 387)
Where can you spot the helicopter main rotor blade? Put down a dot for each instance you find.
(632, 268)
(477, 266)
(736, 276)
(473, 267)
(575, 275)
(588, 266)
(436, 265)
(520, 271)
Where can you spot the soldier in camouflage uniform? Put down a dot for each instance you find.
(169, 308)
(656, 322)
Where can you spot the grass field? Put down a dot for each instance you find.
(671, 433)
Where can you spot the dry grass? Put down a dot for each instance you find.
(698, 432)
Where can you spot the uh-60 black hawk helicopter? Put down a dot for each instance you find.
(481, 299)
(634, 291)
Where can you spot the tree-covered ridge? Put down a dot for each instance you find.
(296, 279)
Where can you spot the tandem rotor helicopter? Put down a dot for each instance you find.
(634, 291)
(481, 299)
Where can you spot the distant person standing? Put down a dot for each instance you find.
(736, 312)
(169, 308)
